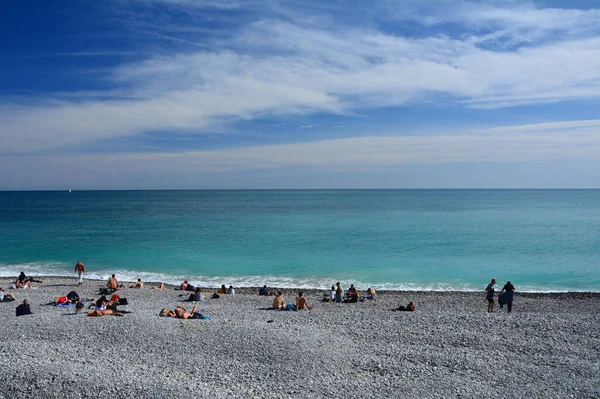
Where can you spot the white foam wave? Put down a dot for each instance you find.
(323, 283)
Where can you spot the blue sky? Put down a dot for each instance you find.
(133, 94)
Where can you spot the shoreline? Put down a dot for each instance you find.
(249, 288)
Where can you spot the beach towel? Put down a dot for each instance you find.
(504, 298)
(65, 305)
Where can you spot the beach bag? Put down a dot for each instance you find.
(215, 296)
(123, 301)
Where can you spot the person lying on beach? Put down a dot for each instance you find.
(278, 301)
(23, 309)
(137, 284)
(4, 297)
(301, 302)
(71, 297)
(222, 290)
(160, 287)
(18, 285)
(166, 313)
(408, 308)
(113, 302)
(181, 313)
(105, 312)
(101, 303)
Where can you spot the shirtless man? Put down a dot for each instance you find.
(112, 283)
(278, 301)
(80, 269)
(301, 302)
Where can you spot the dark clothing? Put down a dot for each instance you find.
(263, 291)
(23, 309)
(508, 288)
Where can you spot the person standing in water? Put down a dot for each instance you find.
(80, 269)
(489, 296)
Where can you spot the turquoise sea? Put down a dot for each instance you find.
(541, 240)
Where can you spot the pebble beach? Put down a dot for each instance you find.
(549, 346)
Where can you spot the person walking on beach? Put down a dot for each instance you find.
(80, 269)
(506, 296)
(489, 296)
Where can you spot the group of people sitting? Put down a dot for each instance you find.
(301, 302)
(23, 282)
(352, 295)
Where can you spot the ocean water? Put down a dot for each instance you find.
(540, 240)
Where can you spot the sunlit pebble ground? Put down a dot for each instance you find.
(451, 347)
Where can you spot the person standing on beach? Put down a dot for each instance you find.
(80, 269)
(338, 293)
(508, 295)
(489, 296)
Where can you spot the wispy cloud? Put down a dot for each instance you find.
(277, 66)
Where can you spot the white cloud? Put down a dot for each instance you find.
(282, 68)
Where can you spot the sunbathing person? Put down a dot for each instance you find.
(101, 303)
(4, 297)
(301, 302)
(222, 290)
(137, 284)
(231, 290)
(278, 301)
(112, 283)
(71, 297)
(408, 308)
(183, 313)
(105, 312)
(23, 285)
(166, 313)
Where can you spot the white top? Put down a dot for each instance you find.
(231, 291)
(332, 294)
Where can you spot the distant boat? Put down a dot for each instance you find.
(69, 191)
